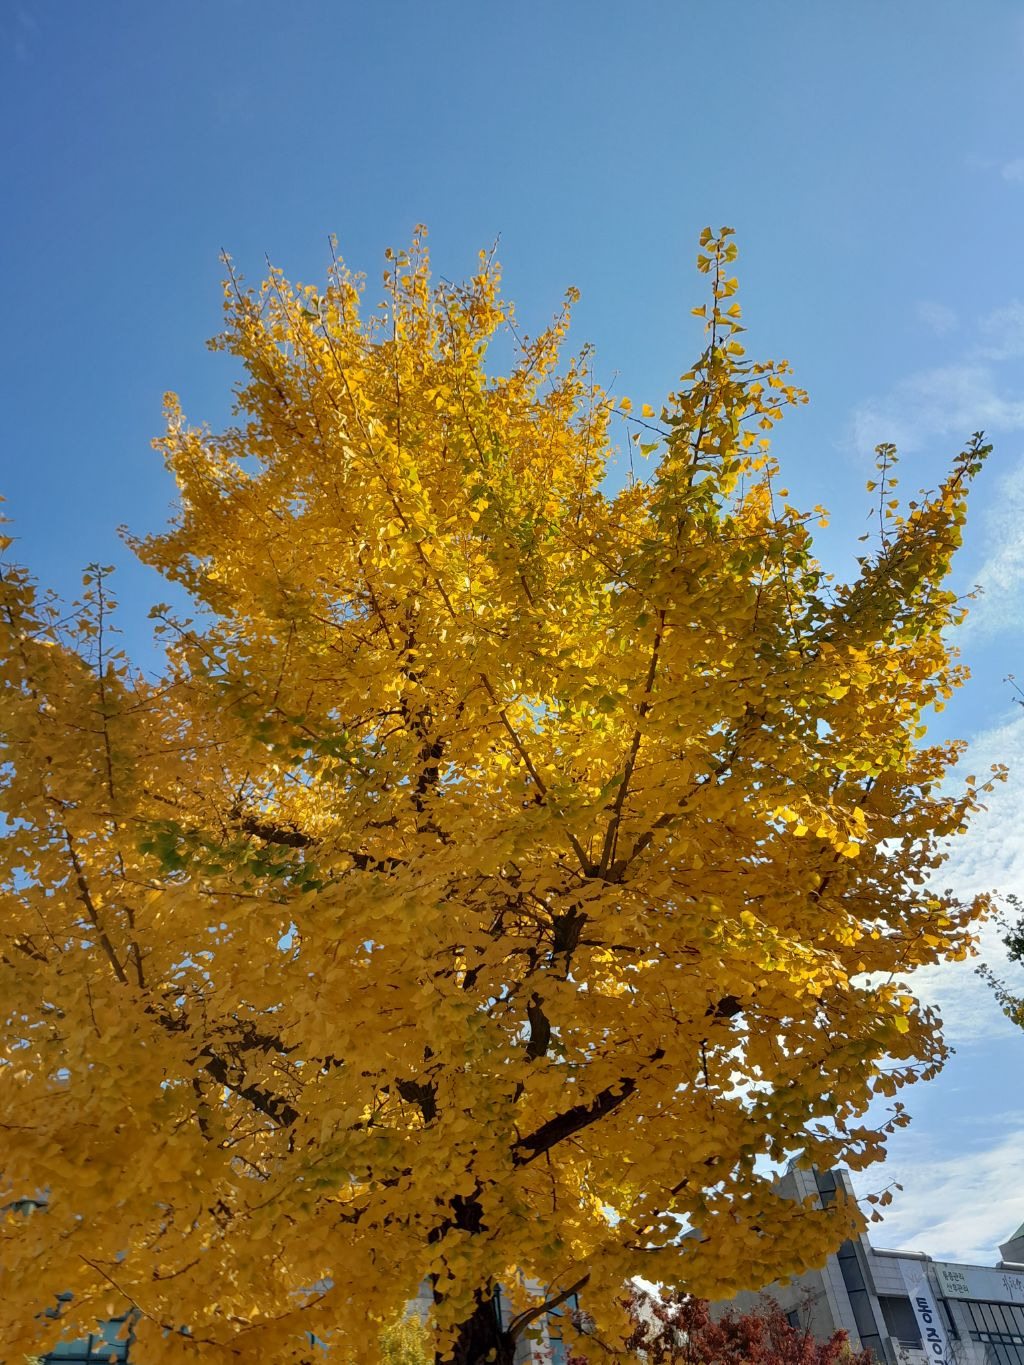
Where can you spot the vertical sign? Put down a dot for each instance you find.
(922, 1301)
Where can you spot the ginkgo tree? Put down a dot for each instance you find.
(509, 870)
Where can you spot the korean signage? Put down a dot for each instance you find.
(978, 1282)
(922, 1301)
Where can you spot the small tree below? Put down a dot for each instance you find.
(677, 1329)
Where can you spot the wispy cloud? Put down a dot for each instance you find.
(976, 391)
(937, 317)
(961, 1164)
(956, 1206)
(1000, 607)
(1002, 332)
(967, 394)
(19, 31)
(1013, 171)
(990, 857)
(948, 400)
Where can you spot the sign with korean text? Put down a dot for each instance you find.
(980, 1282)
(922, 1301)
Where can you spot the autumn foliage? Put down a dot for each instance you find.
(511, 857)
(677, 1329)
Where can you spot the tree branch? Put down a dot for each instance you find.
(580, 1116)
(522, 1320)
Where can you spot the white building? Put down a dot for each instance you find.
(906, 1307)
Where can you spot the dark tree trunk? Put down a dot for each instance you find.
(481, 1339)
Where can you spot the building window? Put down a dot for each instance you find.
(900, 1322)
(97, 1349)
(999, 1327)
(91, 1351)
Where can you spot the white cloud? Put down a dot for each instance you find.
(1013, 171)
(954, 399)
(992, 852)
(1002, 332)
(937, 317)
(947, 401)
(969, 1010)
(1000, 607)
(957, 1206)
(18, 30)
(989, 857)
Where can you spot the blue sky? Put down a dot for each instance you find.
(870, 156)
